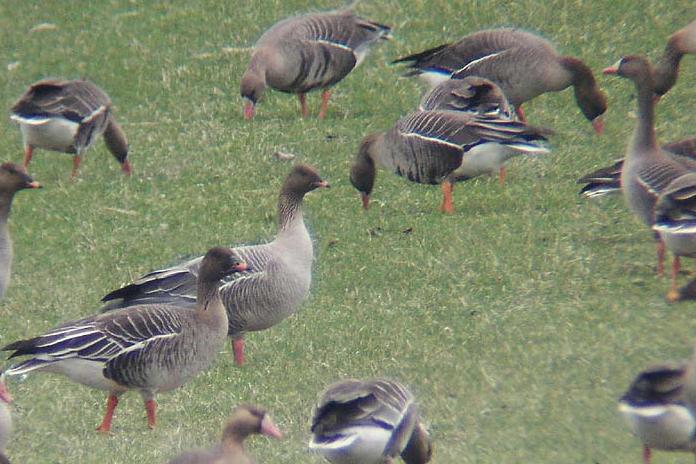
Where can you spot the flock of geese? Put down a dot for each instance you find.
(158, 332)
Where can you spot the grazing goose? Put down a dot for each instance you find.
(442, 147)
(472, 95)
(5, 420)
(667, 69)
(369, 422)
(647, 170)
(245, 420)
(68, 116)
(272, 289)
(658, 410)
(149, 348)
(523, 64)
(607, 180)
(12, 179)
(308, 52)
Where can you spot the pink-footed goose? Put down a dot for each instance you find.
(658, 410)
(276, 284)
(68, 116)
(245, 420)
(648, 171)
(472, 94)
(607, 180)
(523, 64)
(442, 147)
(149, 348)
(308, 52)
(369, 422)
(5, 419)
(12, 179)
(667, 69)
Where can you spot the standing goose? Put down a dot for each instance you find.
(658, 411)
(523, 64)
(277, 282)
(680, 43)
(245, 420)
(369, 422)
(647, 170)
(12, 179)
(5, 419)
(607, 180)
(149, 348)
(68, 116)
(442, 147)
(472, 95)
(308, 52)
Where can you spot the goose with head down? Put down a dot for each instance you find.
(308, 52)
(149, 348)
(68, 116)
(523, 64)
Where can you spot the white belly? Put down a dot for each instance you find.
(433, 79)
(669, 427)
(361, 445)
(55, 134)
(486, 158)
(680, 244)
(85, 372)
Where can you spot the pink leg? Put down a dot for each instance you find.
(673, 293)
(238, 349)
(660, 257)
(28, 153)
(646, 455)
(325, 95)
(520, 114)
(151, 408)
(76, 166)
(447, 206)
(501, 175)
(111, 403)
(303, 105)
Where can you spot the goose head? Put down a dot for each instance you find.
(302, 180)
(251, 88)
(218, 263)
(247, 420)
(13, 178)
(634, 67)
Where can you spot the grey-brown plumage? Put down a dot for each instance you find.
(607, 180)
(274, 287)
(667, 69)
(5, 419)
(68, 116)
(442, 147)
(308, 52)
(245, 420)
(368, 422)
(12, 179)
(149, 348)
(523, 64)
(471, 94)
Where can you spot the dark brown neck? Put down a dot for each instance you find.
(581, 74)
(667, 69)
(417, 450)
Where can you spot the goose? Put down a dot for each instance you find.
(472, 94)
(149, 348)
(5, 419)
(369, 422)
(523, 64)
(442, 147)
(245, 420)
(607, 180)
(308, 52)
(667, 69)
(647, 171)
(12, 179)
(658, 411)
(68, 116)
(272, 289)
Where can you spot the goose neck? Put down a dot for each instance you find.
(289, 210)
(644, 134)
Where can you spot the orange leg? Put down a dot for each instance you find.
(447, 206)
(520, 114)
(646, 455)
(673, 293)
(111, 403)
(303, 105)
(75, 166)
(151, 408)
(325, 95)
(238, 350)
(501, 175)
(660, 257)
(28, 153)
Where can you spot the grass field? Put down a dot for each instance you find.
(517, 321)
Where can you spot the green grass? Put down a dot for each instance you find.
(517, 322)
